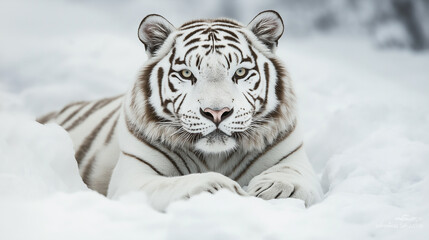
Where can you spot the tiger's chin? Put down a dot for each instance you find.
(216, 143)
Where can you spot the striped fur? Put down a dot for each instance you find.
(157, 137)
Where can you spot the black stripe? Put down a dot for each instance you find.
(143, 161)
(71, 115)
(193, 26)
(224, 25)
(192, 33)
(141, 138)
(253, 105)
(71, 105)
(112, 130)
(227, 61)
(287, 155)
(133, 103)
(211, 31)
(200, 158)
(236, 57)
(184, 162)
(208, 52)
(175, 99)
(97, 106)
(171, 86)
(192, 22)
(231, 39)
(246, 59)
(190, 60)
(87, 143)
(47, 117)
(278, 194)
(267, 79)
(185, 155)
(279, 139)
(228, 31)
(192, 41)
(227, 21)
(279, 89)
(256, 84)
(88, 171)
(173, 53)
(144, 79)
(238, 49)
(160, 76)
(233, 169)
(180, 105)
(198, 62)
(257, 195)
(281, 73)
(190, 50)
(198, 166)
(255, 57)
(178, 61)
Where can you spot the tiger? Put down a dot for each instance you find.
(212, 109)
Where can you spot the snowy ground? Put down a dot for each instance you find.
(365, 114)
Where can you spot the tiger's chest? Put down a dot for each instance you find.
(233, 165)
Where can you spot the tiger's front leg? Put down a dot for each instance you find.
(130, 174)
(293, 177)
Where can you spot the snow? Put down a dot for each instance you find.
(364, 110)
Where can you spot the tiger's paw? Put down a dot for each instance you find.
(211, 182)
(283, 185)
(163, 192)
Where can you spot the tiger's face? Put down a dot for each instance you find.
(215, 81)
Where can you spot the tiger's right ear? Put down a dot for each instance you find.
(153, 31)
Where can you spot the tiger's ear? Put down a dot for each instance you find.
(268, 28)
(153, 31)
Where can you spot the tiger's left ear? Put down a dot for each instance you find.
(153, 31)
(268, 28)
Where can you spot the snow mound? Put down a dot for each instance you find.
(36, 160)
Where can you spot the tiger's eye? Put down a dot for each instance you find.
(186, 73)
(240, 72)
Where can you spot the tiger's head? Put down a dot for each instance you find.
(213, 85)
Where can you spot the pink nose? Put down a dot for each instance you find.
(217, 116)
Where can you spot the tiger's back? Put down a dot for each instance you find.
(92, 126)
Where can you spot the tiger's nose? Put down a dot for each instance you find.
(216, 116)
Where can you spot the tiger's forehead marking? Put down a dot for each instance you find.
(222, 38)
(214, 22)
(211, 29)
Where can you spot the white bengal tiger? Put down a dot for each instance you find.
(212, 109)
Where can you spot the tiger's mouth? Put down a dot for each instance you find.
(216, 142)
(217, 135)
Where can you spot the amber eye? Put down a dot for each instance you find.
(186, 73)
(241, 72)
